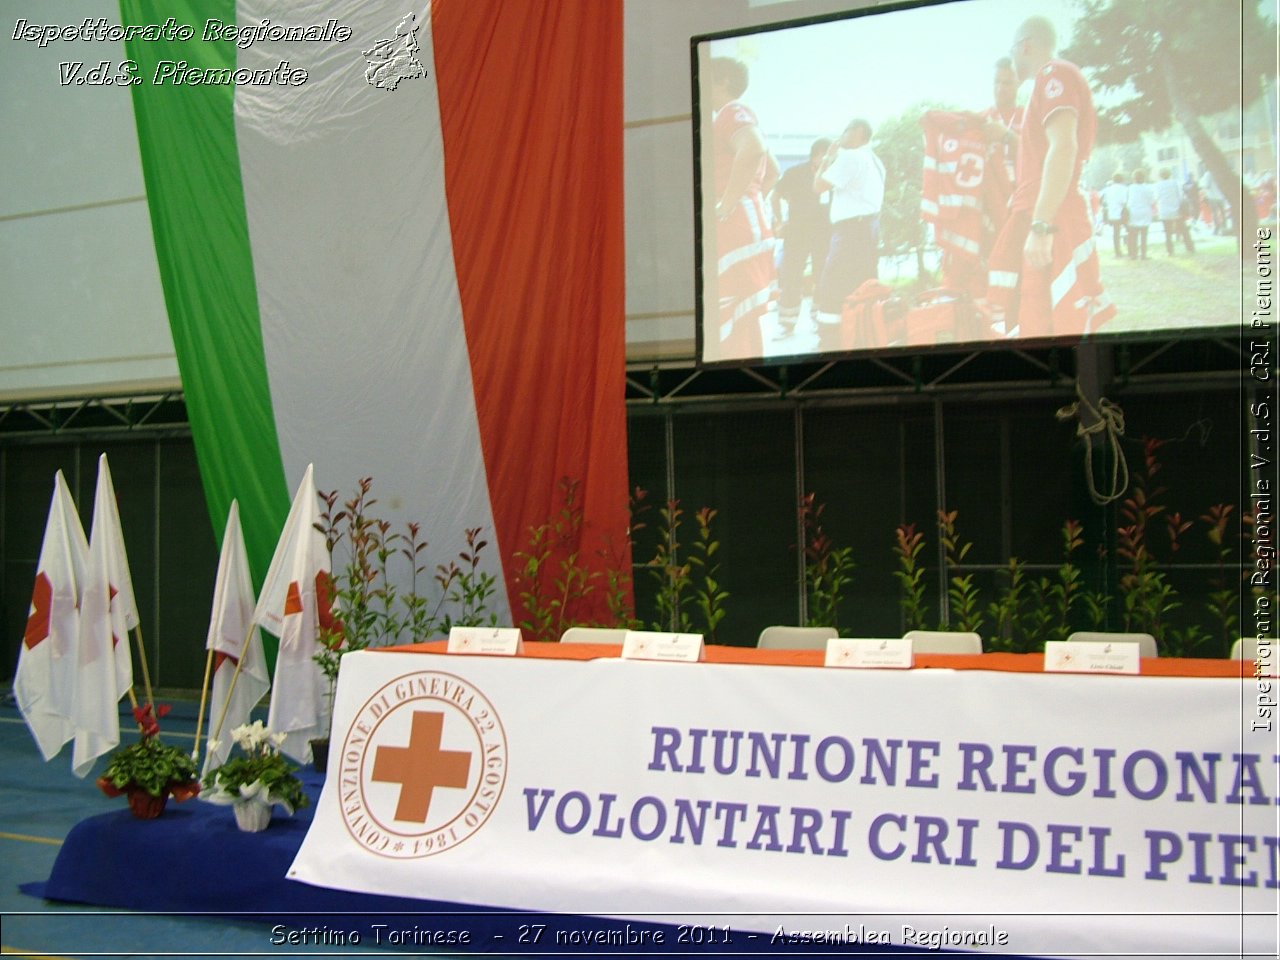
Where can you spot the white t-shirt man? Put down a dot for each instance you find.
(1114, 197)
(1168, 199)
(1141, 204)
(857, 183)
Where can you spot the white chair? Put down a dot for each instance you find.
(1246, 648)
(592, 635)
(1145, 641)
(943, 641)
(796, 638)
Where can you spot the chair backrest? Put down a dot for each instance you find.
(1246, 648)
(592, 635)
(1145, 641)
(796, 638)
(943, 641)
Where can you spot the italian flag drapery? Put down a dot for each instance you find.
(407, 266)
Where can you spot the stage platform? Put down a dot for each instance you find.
(194, 860)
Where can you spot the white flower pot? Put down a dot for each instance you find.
(252, 815)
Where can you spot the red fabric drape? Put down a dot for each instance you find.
(531, 108)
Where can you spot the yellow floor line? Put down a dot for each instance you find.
(27, 838)
(8, 951)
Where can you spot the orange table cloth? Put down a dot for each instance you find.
(1008, 662)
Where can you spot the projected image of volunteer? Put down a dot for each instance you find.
(855, 176)
(1003, 124)
(805, 232)
(1044, 267)
(745, 171)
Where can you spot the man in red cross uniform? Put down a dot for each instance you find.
(744, 172)
(1003, 125)
(968, 181)
(1044, 277)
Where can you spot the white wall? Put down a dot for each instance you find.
(82, 308)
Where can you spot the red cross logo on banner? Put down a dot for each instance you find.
(406, 791)
(421, 766)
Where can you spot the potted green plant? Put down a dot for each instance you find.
(378, 595)
(359, 603)
(150, 771)
(254, 782)
(828, 569)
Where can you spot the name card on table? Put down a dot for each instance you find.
(651, 645)
(1065, 656)
(889, 653)
(494, 641)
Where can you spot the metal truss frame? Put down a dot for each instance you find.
(60, 419)
(1170, 365)
(1164, 365)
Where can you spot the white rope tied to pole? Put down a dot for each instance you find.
(1108, 419)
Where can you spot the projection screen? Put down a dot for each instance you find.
(868, 182)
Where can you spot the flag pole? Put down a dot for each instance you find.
(133, 702)
(204, 699)
(244, 647)
(146, 673)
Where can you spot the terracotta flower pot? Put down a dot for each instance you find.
(144, 805)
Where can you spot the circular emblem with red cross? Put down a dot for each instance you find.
(422, 767)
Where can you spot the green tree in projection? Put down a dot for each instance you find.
(1111, 159)
(1153, 63)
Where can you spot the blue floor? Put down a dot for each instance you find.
(39, 803)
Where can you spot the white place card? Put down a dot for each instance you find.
(1063, 656)
(889, 653)
(494, 641)
(651, 645)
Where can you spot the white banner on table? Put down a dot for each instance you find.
(1128, 815)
